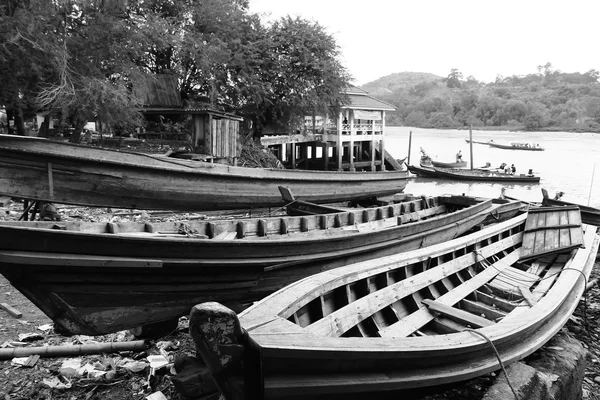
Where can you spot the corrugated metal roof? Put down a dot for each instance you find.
(366, 102)
(163, 92)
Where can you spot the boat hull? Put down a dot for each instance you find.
(97, 283)
(423, 318)
(40, 169)
(471, 175)
(589, 215)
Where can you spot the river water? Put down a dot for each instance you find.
(570, 162)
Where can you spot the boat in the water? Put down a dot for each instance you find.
(516, 146)
(477, 141)
(59, 172)
(472, 175)
(589, 215)
(427, 161)
(97, 278)
(455, 164)
(424, 318)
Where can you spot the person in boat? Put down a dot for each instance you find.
(513, 169)
(502, 166)
(530, 172)
(459, 156)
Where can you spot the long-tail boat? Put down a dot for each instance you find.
(516, 146)
(423, 318)
(97, 278)
(482, 175)
(59, 172)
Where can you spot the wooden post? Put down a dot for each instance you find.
(409, 144)
(382, 140)
(471, 145)
(339, 145)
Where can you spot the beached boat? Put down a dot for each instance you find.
(423, 318)
(589, 215)
(96, 278)
(517, 146)
(472, 175)
(59, 172)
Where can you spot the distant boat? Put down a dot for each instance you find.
(59, 172)
(477, 141)
(456, 164)
(419, 319)
(471, 175)
(517, 146)
(427, 161)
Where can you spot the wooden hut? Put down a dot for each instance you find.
(213, 134)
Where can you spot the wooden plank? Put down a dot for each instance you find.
(76, 260)
(421, 317)
(226, 235)
(11, 310)
(527, 295)
(456, 314)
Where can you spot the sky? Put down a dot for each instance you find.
(483, 38)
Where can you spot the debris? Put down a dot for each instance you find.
(70, 367)
(56, 383)
(30, 337)
(157, 362)
(45, 327)
(26, 361)
(11, 310)
(156, 396)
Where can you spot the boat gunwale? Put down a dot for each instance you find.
(393, 347)
(340, 233)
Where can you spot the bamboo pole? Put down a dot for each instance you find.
(591, 185)
(71, 350)
(409, 145)
(471, 145)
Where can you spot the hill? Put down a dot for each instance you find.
(400, 80)
(547, 100)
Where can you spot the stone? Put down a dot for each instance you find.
(554, 372)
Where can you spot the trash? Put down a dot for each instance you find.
(45, 327)
(26, 361)
(157, 362)
(156, 396)
(11, 310)
(55, 383)
(135, 366)
(30, 337)
(70, 367)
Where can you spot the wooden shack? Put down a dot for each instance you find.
(212, 134)
(353, 139)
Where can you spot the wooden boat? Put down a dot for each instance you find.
(471, 175)
(96, 278)
(477, 141)
(589, 215)
(456, 164)
(427, 161)
(423, 318)
(41, 169)
(517, 146)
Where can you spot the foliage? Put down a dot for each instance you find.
(86, 59)
(547, 99)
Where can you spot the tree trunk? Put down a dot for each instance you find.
(76, 136)
(45, 127)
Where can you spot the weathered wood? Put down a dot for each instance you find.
(11, 310)
(330, 334)
(98, 177)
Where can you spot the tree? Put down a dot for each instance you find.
(453, 80)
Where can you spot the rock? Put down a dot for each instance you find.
(555, 372)
(193, 379)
